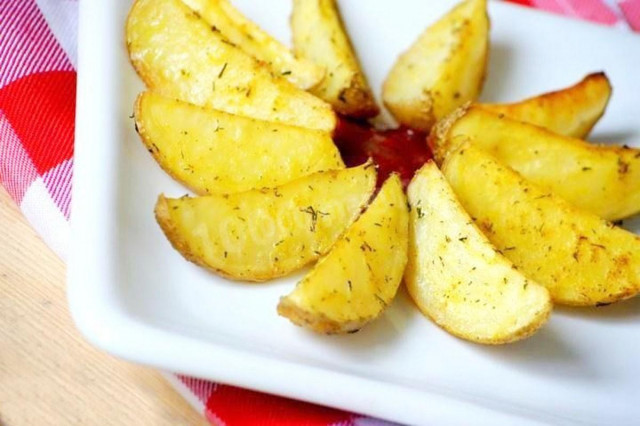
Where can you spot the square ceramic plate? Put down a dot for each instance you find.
(134, 296)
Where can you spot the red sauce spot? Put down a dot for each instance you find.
(401, 150)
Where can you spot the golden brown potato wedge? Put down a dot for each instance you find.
(262, 234)
(235, 27)
(457, 278)
(572, 111)
(442, 70)
(178, 55)
(354, 283)
(581, 259)
(320, 36)
(213, 152)
(604, 180)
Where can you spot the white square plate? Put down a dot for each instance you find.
(134, 296)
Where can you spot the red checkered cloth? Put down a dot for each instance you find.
(37, 109)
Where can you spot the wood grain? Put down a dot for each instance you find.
(48, 374)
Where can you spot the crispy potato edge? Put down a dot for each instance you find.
(438, 140)
(315, 322)
(587, 99)
(542, 317)
(149, 145)
(164, 220)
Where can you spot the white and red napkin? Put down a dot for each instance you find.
(37, 110)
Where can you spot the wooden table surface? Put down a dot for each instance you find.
(48, 374)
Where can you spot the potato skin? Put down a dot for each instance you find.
(213, 152)
(572, 111)
(319, 36)
(457, 278)
(179, 56)
(245, 34)
(262, 234)
(358, 279)
(442, 70)
(604, 180)
(581, 259)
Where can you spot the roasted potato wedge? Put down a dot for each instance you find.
(320, 36)
(442, 70)
(235, 27)
(581, 259)
(457, 278)
(572, 111)
(354, 283)
(262, 234)
(178, 55)
(213, 152)
(604, 180)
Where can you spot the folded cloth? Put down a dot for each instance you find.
(37, 110)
